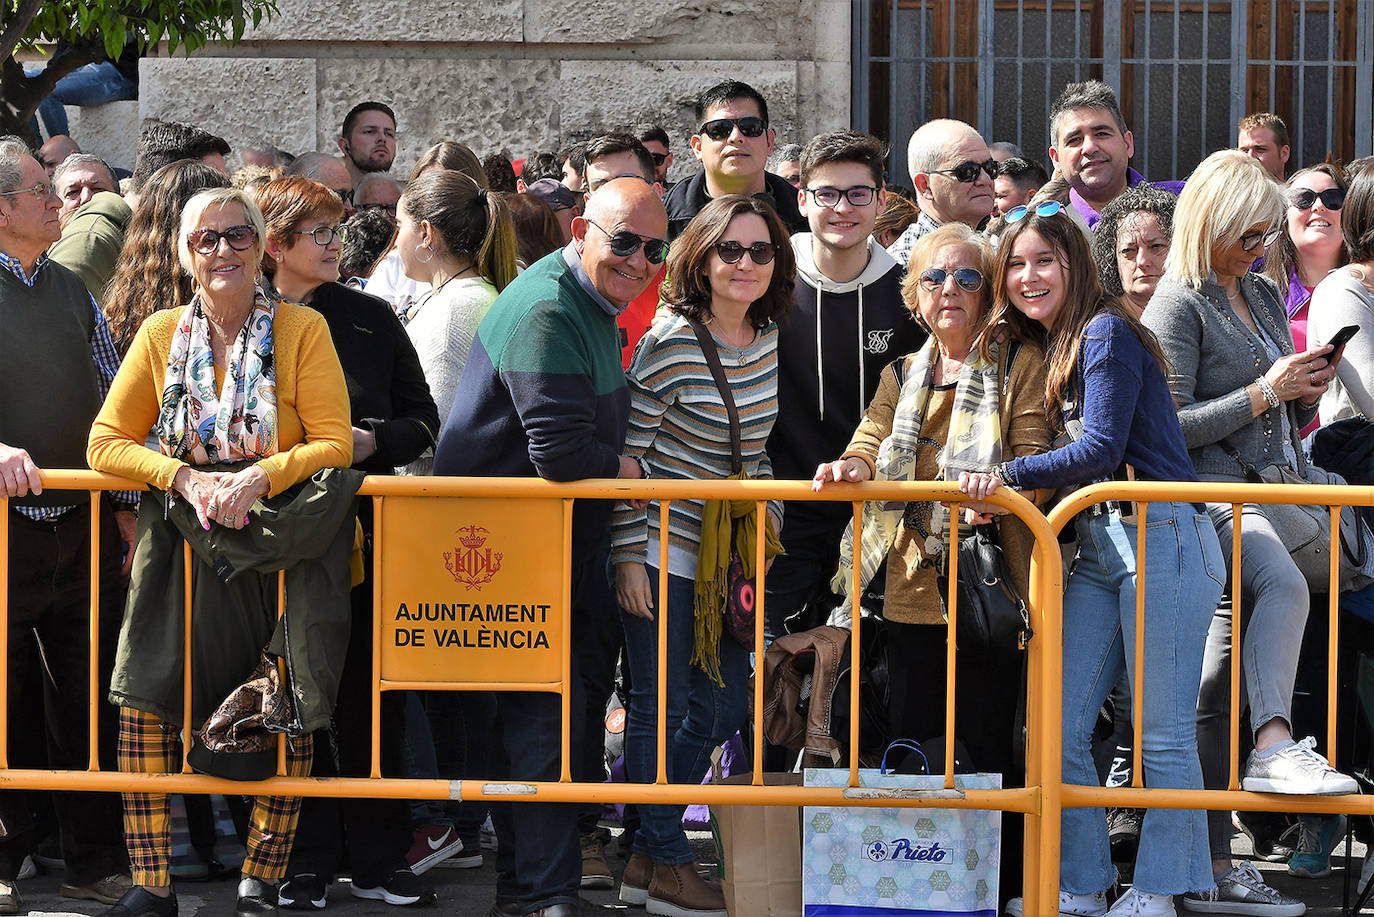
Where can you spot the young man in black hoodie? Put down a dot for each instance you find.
(733, 142)
(847, 322)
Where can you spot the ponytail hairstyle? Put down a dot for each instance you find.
(472, 223)
(1084, 300)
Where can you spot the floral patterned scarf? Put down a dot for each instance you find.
(201, 426)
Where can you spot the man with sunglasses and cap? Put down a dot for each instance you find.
(847, 322)
(733, 143)
(57, 361)
(543, 395)
(1092, 149)
(952, 171)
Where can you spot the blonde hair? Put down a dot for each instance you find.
(1227, 194)
(197, 206)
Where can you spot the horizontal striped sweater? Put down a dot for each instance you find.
(678, 424)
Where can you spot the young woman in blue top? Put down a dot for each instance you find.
(1106, 371)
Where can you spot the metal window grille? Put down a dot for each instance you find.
(1185, 72)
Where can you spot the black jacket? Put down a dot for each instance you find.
(387, 391)
(687, 198)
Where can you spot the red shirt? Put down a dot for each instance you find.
(638, 316)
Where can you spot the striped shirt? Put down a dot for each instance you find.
(106, 359)
(678, 424)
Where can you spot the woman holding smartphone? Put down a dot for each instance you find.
(1107, 386)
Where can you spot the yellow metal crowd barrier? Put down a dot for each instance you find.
(505, 543)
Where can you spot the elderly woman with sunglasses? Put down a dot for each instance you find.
(944, 409)
(730, 278)
(244, 396)
(1243, 393)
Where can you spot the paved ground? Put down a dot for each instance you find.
(470, 892)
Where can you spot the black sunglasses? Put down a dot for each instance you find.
(659, 158)
(346, 195)
(1331, 198)
(722, 128)
(732, 252)
(206, 241)
(969, 279)
(967, 172)
(625, 243)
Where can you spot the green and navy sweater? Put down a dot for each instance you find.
(543, 390)
(679, 426)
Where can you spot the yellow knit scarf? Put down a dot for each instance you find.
(726, 525)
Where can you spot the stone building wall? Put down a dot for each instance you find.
(521, 75)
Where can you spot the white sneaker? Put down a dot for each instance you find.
(1136, 903)
(1241, 890)
(1070, 905)
(1295, 769)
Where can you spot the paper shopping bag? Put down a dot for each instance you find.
(760, 853)
(871, 862)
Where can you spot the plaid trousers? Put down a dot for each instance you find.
(147, 745)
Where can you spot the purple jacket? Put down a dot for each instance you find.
(1133, 178)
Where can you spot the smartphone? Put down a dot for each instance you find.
(1342, 337)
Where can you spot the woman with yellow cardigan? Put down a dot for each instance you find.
(245, 397)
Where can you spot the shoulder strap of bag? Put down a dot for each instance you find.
(1251, 472)
(712, 355)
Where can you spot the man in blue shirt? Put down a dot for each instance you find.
(1092, 148)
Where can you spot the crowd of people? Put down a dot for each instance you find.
(249, 346)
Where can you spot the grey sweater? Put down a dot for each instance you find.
(1212, 358)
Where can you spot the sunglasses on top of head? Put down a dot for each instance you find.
(732, 252)
(625, 243)
(721, 128)
(1331, 198)
(967, 172)
(206, 241)
(1042, 209)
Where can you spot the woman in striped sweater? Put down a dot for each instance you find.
(731, 275)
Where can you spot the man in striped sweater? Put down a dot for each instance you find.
(543, 395)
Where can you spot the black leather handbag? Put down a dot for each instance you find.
(992, 619)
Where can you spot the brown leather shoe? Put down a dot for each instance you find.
(634, 887)
(677, 891)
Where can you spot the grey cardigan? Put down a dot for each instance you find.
(1212, 359)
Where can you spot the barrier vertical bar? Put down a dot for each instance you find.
(855, 616)
(283, 670)
(661, 738)
(761, 542)
(1233, 778)
(375, 767)
(1332, 634)
(951, 641)
(93, 660)
(565, 695)
(1138, 662)
(186, 712)
(1049, 746)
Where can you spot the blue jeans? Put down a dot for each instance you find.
(93, 84)
(1184, 572)
(701, 714)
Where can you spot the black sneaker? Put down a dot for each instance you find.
(139, 902)
(402, 887)
(305, 892)
(1273, 835)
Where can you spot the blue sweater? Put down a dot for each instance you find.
(1128, 417)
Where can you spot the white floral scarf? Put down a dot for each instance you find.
(202, 426)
